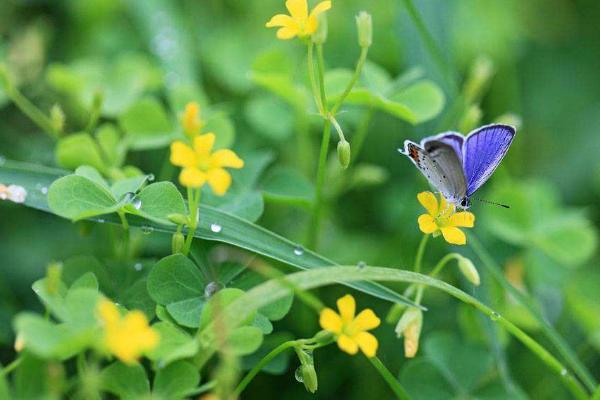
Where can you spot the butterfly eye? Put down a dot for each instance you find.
(464, 202)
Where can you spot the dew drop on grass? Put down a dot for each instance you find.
(299, 250)
(150, 177)
(564, 372)
(101, 220)
(298, 374)
(361, 264)
(42, 189)
(138, 266)
(216, 228)
(495, 316)
(147, 229)
(137, 203)
(211, 289)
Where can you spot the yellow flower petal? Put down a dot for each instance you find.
(298, 9)
(411, 339)
(192, 177)
(108, 311)
(330, 321)
(347, 307)
(368, 343)
(219, 180)
(190, 120)
(321, 7)
(281, 20)
(225, 158)
(312, 23)
(429, 201)
(182, 155)
(427, 223)
(203, 144)
(454, 235)
(365, 320)
(464, 219)
(345, 343)
(287, 33)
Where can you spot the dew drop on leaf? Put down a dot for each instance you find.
(147, 229)
(361, 264)
(137, 203)
(299, 250)
(211, 289)
(216, 228)
(150, 177)
(495, 316)
(137, 266)
(298, 374)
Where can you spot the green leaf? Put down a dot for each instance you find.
(287, 184)
(336, 81)
(160, 199)
(570, 239)
(248, 206)
(79, 149)
(582, 298)
(278, 309)
(55, 302)
(147, 125)
(259, 111)
(77, 266)
(125, 381)
(223, 298)
(235, 231)
(128, 185)
(174, 344)
(32, 378)
(187, 312)
(136, 297)
(75, 197)
(423, 381)
(425, 100)
(86, 281)
(282, 86)
(113, 148)
(176, 380)
(92, 174)
(245, 340)
(223, 128)
(261, 322)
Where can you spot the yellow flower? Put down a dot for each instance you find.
(443, 218)
(299, 22)
(350, 331)
(126, 337)
(201, 165)
(410, 326)
(190, 120)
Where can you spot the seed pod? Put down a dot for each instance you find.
(364, 25)
(343, 151)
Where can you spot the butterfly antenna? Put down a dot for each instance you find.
(491, 202)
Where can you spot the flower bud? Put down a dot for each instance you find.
(178, 219)
(53, 276)
(19, 342)
(177, 242)
(343, 151)
(190, 120)
(468, 270)
(309, 377)
(57, 116)
(320, 35)
(410, 326)
(364, 25)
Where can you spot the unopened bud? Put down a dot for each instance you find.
(190, 120)
(410, 326)
(320, 35)
(364, 25)
(343, 151)
(177, 242)
(53, 276)
(468, 270)
(178, 219)
(19, 343)
(57, 116)
(309, 377)
(395, 313)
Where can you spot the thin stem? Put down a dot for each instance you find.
(389, 378)
(261, 364)
(432, 47)
(359, 66)
(563, 348)
(125, 225)
(193, 203)
(321, 69)
(420, 252)
(32, 111)
(311, 76)
(11, 367)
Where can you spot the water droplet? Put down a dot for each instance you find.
(150, 177)
(361, 264)
(298, 374)
(127, 197)
(564, 372)
(138, 266)
(216, 228)
(299, 250)
(42, 189)
(161, 364)
(212, 288)
(137, 203)
(101, 220)
(147, 229)
(495, 316)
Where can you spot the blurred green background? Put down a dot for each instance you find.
(546, 59)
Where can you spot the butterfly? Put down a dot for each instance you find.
(457, 165)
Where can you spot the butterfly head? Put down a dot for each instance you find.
(465, 203)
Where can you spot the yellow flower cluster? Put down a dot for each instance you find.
(199, 163)
(299, 23)
(351, 331)
(126, 337)
(442, 217)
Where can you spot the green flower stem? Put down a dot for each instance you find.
(11, 367)
(420, 252)
(389, 378)
(436, 270)
(311, 76)
(336, 126)
(26, 106)
(193, 204)
(550, 332)
(321, 169)
(359, 66)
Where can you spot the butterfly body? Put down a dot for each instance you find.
(457, 165)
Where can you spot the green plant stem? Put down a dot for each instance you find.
(202, 388)
(321, 169)
(359, 66)
(550, 332)
(193, 204)
(420, 252)
(431, 45)
(11, 367)
(596, 395)
(389, 378)
(261, 364)
(125, 225)
(311, 77)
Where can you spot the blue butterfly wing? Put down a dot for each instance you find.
(482, 152)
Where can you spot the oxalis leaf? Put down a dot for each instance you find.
(234, 231)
